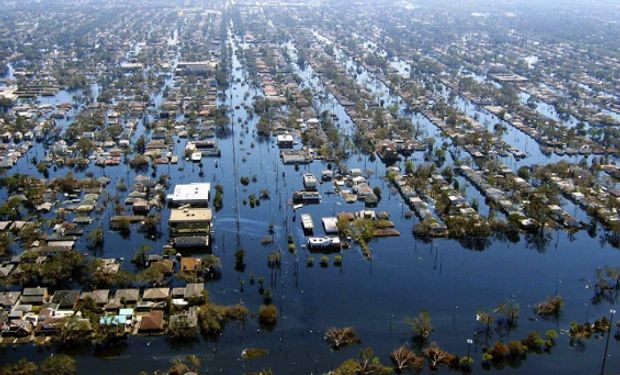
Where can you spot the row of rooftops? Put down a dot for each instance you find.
(67, 299)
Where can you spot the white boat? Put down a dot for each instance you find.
(323, 242)
(196, 156)
(310, 181)
(307, 223)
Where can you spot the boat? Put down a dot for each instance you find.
(310, 181)
(318, 243)
(307, 223)
(196, 156)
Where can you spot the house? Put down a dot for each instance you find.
(108, 266)
(195, 194)
(177, 292)
(190, 318)
(18, 328)
(155, 294)
(34, 296)
(191, 222)
(5, 269)
(127, 295)
(196, 67)
(166, 266)
(9, 299)
(190, 264)
(193, 290)
(152, 322)
(141, 206)
(131, 67)
(330, 225)
(285, 141)
(191, 242)
(99, 296)
(66, 299)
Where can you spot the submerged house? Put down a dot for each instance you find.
(195, 194)
(190, 227)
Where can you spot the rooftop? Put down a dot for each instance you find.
(183, 215)
(197, 192)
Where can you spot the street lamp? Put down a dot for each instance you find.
(611, 322)
(469, 342)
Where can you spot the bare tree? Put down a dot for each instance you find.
(551, 306)
(404, 358)
(510, 310)
(342, 337)
(437, 355)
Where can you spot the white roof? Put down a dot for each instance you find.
(285, 137)
(330, 224)
(191, 193)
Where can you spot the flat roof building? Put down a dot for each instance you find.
(196, 194)
(190, 222)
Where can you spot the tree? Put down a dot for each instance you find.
(366, 364)
(268, 314)
(210, 266)
(182, 327)
(211, 317)
(218, 201)
(422, 326)
(538, 207)
(21, 367)
(140, 145)
(150, 225)
(85, 147)
(74, 331)
(240, 259)
(342, 337)
(64, 267)
(141, 256)
(153, 275)
(58, 364)
(189, 364)
(499, 351)
(404, 359)
(5, 243)
(510, 310)
(437, 356)
(486, 318)
(551, 306)
(96, 237)
(110, 333)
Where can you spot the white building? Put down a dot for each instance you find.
(195, 194)
(285, 141)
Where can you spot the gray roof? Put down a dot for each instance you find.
(66, 298)
(129, 295)
(193, 290)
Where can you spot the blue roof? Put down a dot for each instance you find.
(109, 319)
(127, 311)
